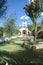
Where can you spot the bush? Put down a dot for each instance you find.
(33, 47)
(25, 45)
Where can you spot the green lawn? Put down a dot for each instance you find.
(16, 55)
(13, 45)
(10, 48)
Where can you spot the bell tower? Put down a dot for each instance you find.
(24, 28)
(24, 23)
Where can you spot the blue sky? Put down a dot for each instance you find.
(16, 6)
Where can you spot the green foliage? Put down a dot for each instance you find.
(34, 10)
(31, 27)
(2, 7)
(42, 22)
(1, 32)
(16, 30)
(10, 27)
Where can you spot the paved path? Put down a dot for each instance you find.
(39, 46)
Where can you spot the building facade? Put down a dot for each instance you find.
(23, 28)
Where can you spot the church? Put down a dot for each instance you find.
(23, 28)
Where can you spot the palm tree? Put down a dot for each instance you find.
(33, 10)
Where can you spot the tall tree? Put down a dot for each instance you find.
(3, 7)
(16, 30)
(33, 10)
(1, 31)
(10, 27)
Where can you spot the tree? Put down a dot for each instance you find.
(10, 27)
(2, 7)
(42, 22)
(33, 10)
(1, 31)
(30, 27)
(16, 30)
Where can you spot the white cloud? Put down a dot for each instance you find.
(29, 0)
(42, 14)
(24, 17)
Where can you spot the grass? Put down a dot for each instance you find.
(10, 47)
(13, 45)
(13, 53)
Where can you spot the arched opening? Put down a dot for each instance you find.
(24, 32)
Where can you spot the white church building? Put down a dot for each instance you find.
(23, 28)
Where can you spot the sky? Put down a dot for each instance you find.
(16, 6)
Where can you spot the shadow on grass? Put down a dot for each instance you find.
(4, 43)
(26, 57)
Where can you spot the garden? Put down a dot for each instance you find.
(16, 48)
(13, 53)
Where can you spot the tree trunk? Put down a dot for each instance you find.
(35, 28)
(35, 37)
